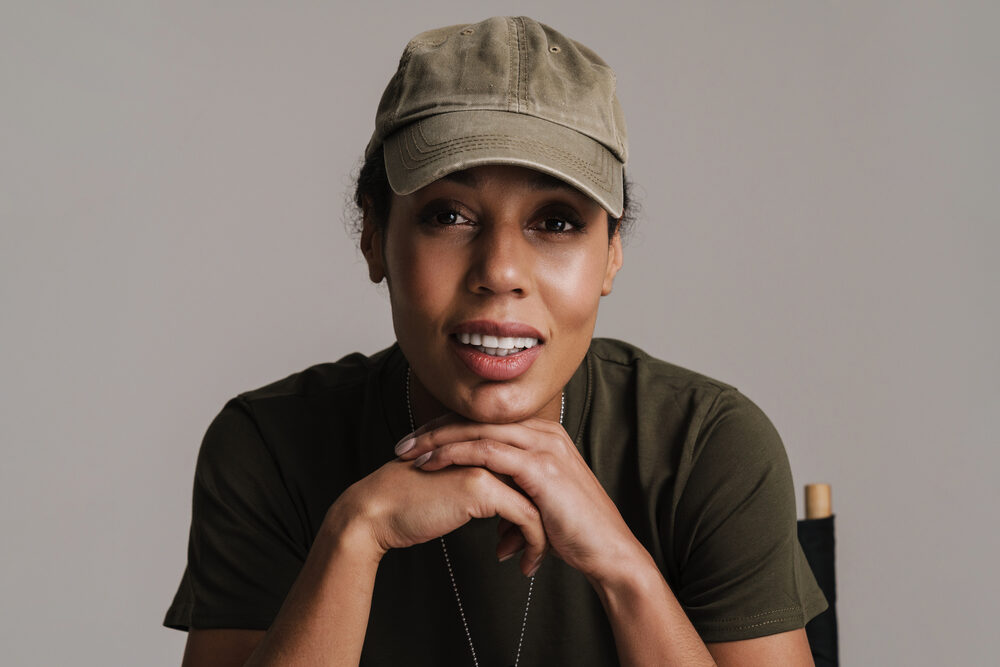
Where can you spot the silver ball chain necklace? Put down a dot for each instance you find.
(447, 560)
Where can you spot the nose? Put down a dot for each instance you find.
(501, 262)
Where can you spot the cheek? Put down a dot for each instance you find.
(572, 288)
(418, 280)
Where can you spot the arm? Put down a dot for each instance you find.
(649, 625)
(324, 617)
(626, 601)
(586, 530)
(640, 606)
(583, 526)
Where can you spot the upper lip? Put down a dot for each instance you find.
(492, 328)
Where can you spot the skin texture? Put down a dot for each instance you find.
(503, 244)
(465, 248)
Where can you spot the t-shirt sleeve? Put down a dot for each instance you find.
(243, 551)
(742, 572)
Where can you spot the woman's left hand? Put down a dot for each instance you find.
(583, 525)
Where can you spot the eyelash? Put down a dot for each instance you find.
(433, 216)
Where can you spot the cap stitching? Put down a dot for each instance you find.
(522, 61)
(470, 143)
(514, 70)
(482, 140)
(614, 116)
(433, 147)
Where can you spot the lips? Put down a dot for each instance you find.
(498, 329)
(496, 351)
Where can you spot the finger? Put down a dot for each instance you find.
(407, 441)
(516, 435)
(503, 526)
(496, 498)
(544, 425)
(497, 457)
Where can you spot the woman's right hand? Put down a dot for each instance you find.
(403, 505)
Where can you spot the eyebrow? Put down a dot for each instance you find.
(537, 180)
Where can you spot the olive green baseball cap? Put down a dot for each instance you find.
(507, 90)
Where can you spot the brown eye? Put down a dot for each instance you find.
(556, 225)
(442, 214)
(447, 218)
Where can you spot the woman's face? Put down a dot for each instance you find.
(494, 275)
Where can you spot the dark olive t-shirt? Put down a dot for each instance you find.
(696, 469)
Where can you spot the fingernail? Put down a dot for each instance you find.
(534, 569)
(422, 459)
(405, 446)
(507, 556)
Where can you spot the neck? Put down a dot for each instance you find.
(423, 404)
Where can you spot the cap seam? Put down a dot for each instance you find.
(611, 101)
(471, 142)
(522, 65)
(514, 71)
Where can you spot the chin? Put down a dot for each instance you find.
(499, 407)
(501, 416)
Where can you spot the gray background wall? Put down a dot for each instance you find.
(819, 227)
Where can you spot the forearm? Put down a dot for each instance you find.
(649, 624)
(325, 615)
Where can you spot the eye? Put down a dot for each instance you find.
(557, 225)
(445, 216)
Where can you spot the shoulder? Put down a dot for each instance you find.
(658, 386)
(686, 406)
(345, 375)
(298, 413)
(611, 356)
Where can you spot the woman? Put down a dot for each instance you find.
(651, 506)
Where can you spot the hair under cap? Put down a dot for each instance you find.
(504, 91)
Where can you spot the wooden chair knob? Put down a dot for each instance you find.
(819, 501)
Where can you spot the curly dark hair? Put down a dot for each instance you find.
(373, 184)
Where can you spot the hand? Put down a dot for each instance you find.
(583, 525)
(403, 505)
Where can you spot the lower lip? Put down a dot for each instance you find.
(493, 368)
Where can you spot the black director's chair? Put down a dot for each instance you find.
(816, 536)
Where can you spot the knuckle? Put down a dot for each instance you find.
(478, 479)
(547, 466)
(488, 447)
(532, 511)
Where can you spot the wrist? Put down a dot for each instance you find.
(628, 569)
(347, 525)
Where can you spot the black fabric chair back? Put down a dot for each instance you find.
(818, 542)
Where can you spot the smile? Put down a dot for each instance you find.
(497, 346)
(497, 351)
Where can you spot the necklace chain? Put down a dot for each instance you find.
(447, 560)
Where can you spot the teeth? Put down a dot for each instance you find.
(497, 346)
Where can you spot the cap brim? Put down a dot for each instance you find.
(424, 151)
